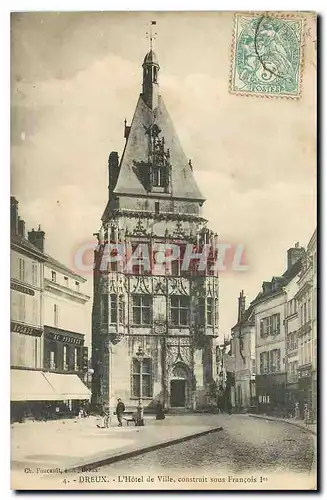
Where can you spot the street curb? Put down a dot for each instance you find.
(99, 462)
(284, 422)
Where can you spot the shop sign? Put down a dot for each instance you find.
(58, 337)
(22, 289)
(25, 329)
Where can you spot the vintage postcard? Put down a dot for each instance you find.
(163, 251)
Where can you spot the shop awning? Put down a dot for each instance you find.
(30, 385)
(68, 386)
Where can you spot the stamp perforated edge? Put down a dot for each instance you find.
(278, 14)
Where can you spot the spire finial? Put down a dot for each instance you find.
(150, 35)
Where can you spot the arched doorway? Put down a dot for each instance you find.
(180, 386)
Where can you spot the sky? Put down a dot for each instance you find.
(75, 77)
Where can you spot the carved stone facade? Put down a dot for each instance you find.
(168, 310)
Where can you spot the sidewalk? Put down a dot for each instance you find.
(312, 428)
(73, 444)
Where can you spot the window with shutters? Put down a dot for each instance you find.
(273, 361)
(141, 309)
(179, 310)
(275, 324)
(35, 311)
(22, 269)
(264, 327)
(264, 362)
(21, 307)
(147, 391)
(14, 304)
(34, 274)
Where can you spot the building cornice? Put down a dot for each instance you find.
(57, 266)
(34, 254)
(54, 287)
(61, 331)
(166, 216)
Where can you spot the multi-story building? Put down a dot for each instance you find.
(307, 332)
(271, 377)
(167, 308)
(26, 337)
(66, 320)
(243, 341)
(225, 380)
(48, 321)
(291, 336)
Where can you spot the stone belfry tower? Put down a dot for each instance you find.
(168, 310)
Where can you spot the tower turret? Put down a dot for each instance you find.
(150, 87)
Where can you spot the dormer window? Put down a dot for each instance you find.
(159, 177)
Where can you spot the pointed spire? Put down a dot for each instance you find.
(150, 35)
(150, 73)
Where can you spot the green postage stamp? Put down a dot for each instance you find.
(267, 55)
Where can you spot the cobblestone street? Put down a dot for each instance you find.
(244, 445)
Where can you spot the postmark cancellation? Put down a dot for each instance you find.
(267, 55)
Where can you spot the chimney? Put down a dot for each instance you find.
(126, 130)
(13, 215)
(113, 167)
(21, 227)
(241, 305)
(37, 238)
(266, 287)
(294, 254)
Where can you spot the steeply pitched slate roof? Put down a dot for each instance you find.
(246, 318)
(65, 269)
(24, 243)
(136, 150)
(282, 281)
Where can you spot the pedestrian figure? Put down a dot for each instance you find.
(120, 408)
(160, 415)
(106, 420)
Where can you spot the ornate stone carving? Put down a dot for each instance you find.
(141, 284)
(178, 286)
(179, 349)
(159, 285)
